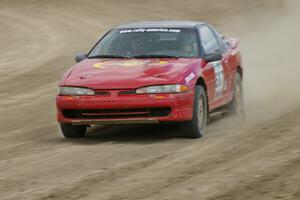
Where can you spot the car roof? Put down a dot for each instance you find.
(160, 24)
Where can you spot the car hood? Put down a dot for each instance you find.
(128, 73)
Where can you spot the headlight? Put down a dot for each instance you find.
(162, 89)
(75, 91)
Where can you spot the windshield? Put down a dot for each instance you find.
(148, 43)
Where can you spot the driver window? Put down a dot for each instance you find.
(208, 41)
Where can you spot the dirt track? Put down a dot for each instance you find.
(257, 159)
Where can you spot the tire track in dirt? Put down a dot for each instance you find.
(40, 42)
(180, 172)
(272, 185)
(237, 175)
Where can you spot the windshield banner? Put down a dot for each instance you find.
(142, 30)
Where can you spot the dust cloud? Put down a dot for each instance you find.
(270, 50)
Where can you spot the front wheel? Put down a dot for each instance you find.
(196, 127)
(73, 131)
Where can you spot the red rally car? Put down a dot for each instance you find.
(152, 72)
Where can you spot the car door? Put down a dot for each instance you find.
(228, 63)
(218, 70)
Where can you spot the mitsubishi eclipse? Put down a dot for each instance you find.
(150, 73)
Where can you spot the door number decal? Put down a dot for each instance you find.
(219, 78)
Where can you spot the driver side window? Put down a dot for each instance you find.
(208, 41)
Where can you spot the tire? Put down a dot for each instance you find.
(196, 127)
(73, 131)
(236, 106)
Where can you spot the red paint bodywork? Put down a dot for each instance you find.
(115, 75)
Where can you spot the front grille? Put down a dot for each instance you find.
(116, 113)
(107, 93)
(102, 93)
(127, 92)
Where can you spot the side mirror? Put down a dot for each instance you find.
(213, 57)
(78, 58)
(232, 43)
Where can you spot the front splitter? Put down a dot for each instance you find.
(112, 122)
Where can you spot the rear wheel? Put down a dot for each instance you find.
(237, 104)
(73, 131)
(196, 127)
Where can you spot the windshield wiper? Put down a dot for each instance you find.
(108, 56)
(155, 56)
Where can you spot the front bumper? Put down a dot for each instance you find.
(125, 109)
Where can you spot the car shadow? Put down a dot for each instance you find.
(141, 134)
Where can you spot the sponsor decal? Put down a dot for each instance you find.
(106, 64)
(145, 30)
(190, 77)
(161, 62)
(98, 65)
(131, 63)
